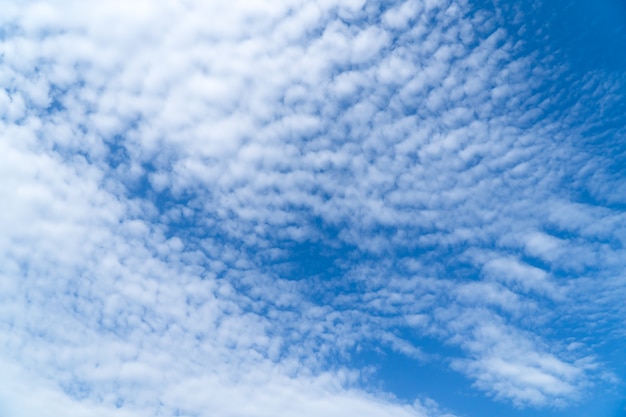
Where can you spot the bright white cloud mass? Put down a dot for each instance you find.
(312, 208)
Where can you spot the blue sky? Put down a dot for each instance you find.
(314, 208)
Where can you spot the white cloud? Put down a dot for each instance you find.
(155, 154)
(511, 365)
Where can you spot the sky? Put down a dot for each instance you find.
(407, 208)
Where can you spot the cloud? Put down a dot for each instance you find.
(511, 365)
(164, 163)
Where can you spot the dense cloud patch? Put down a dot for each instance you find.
(208, 209)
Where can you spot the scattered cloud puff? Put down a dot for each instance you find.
(208, 207)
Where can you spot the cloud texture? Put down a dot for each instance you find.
(209, 208)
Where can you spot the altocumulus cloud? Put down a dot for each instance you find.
(215, 208)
